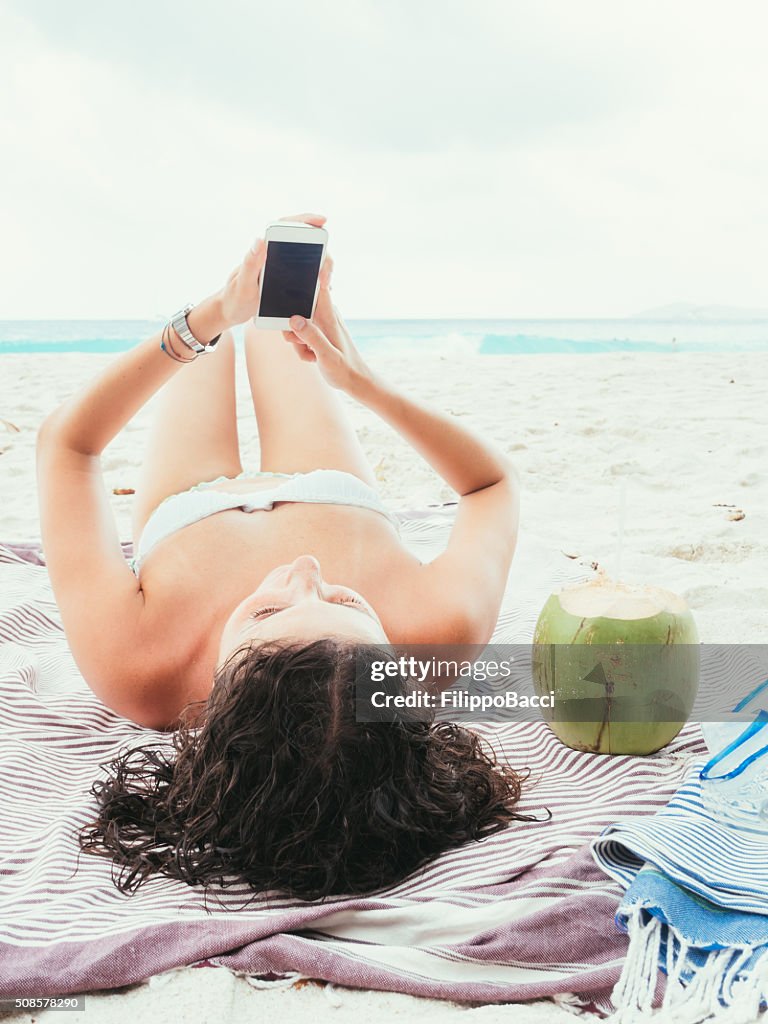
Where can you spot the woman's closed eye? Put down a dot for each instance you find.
(263, 612)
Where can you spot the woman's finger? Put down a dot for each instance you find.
(302, 350)
(341, 323)
(326, 271)
(304, 353)
(316, 219)
(256, 255)
(323, 309)
(310, 334)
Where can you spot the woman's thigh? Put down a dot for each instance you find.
(302, 422)
(193, 435)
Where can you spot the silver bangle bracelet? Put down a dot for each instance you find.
(168, 348)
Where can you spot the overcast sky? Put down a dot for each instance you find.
(512, 158)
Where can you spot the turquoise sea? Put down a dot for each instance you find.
(484, 337)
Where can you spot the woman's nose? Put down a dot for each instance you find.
(306, 565)
(304, 574)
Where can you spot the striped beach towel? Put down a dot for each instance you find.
(525, 914)
(696, 907)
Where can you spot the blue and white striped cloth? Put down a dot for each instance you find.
(696, 906)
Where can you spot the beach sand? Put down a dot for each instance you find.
(685, 435)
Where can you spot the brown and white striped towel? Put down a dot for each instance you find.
(524, 914)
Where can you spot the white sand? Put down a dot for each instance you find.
(213, 996)
(687, 434)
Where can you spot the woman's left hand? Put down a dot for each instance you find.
(240, 295)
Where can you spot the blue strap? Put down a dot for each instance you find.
(761, 720)
(751, 696)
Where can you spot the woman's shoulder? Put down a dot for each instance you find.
(424, 606)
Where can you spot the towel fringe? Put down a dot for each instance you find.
(748, 992)
(634, 991)
(572, 1003)
(719, 990)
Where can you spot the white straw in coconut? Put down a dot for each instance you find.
(622, 518)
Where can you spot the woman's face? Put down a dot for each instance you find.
(294, 601)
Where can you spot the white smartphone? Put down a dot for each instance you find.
(289, 280)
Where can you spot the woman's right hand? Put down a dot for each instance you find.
(326, 341)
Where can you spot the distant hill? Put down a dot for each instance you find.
(690, 311)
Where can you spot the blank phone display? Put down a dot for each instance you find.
(290, 278)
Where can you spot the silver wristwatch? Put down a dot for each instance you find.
(180, 325)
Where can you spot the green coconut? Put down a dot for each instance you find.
(622, 663)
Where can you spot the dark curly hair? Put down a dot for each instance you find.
(282, 787)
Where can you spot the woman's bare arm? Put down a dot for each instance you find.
(464, 586)
(466, 461)
(461, 590)
(100, 600)
(87, 421)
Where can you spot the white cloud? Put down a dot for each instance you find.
(487, 160)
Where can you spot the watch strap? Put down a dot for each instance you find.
(181, 327)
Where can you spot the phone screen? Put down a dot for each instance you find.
(290, 278)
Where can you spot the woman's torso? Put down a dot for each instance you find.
(194, 578)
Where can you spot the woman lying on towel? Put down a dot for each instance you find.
(252, 595)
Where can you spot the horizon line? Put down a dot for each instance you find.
(757, 316)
